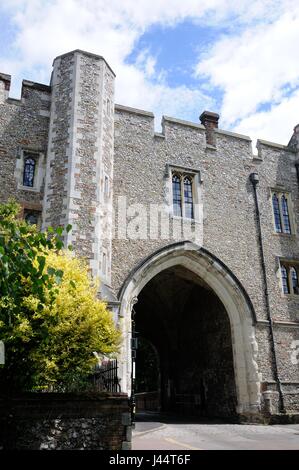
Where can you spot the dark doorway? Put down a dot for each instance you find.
(147, 384)
(185, 346)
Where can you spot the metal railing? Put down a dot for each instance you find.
(105, 378)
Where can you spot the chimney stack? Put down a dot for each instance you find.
(210, 121)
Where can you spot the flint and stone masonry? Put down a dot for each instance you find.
(97, 163)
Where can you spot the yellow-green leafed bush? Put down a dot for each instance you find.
(51, 321)
(76, 324)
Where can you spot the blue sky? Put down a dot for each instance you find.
(172, 57)
(175, 48)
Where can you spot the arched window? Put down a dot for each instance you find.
(281, 211)
(31, 218)
(294, 278)
(276, 211)
(285, 280)
(285, 214)
(188, 197)
(177, 195)
(29, 170)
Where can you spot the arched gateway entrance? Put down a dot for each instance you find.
(199, 319)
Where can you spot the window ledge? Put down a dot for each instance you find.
(290, 296)
(185, 219)
(286, 235)
(28, 188)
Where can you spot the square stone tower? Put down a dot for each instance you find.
(78, 187)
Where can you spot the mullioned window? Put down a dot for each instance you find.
(281, 212)
(182, 195)
(289, 278)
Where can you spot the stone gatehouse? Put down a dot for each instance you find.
(187, 228)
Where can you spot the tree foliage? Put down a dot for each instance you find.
(50, 319)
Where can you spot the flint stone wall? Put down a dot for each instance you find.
(43, 421)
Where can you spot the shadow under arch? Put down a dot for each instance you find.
(148, 376)
(230, 292)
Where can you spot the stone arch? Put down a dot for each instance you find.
(231, 293)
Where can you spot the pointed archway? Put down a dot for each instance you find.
(210, 271)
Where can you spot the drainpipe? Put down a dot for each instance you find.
(133, 362)
(297, 170)
(254, 178)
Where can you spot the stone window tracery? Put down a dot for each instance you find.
(29, 170)
(289, 277)
(281, 212)
(177, 195)
(182, 195)
(285, 280)
(285, 214)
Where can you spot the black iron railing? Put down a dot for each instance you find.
(105, 378)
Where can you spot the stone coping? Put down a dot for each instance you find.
(275, 145)
(5, 77)
(182, 122)
(36, 86)
(233, 134)
(128, 109)
(88, 54)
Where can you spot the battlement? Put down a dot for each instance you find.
(143, 123)
(28, 87)
(214, 136)
(208, 120)
(36, 86)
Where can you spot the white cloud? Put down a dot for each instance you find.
(257, 67)
(49, 28)
(275, 125)
(244, 67)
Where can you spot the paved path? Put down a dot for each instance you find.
(213, 436)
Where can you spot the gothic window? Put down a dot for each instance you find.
(188, 197)
(281, 212)
(177, 195)
(182, 195)
(289, 276)
(285, 280)
(294, 278)
(285, 214)
(29, 171)
(276, 211)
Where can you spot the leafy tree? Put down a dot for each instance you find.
(50, 319)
